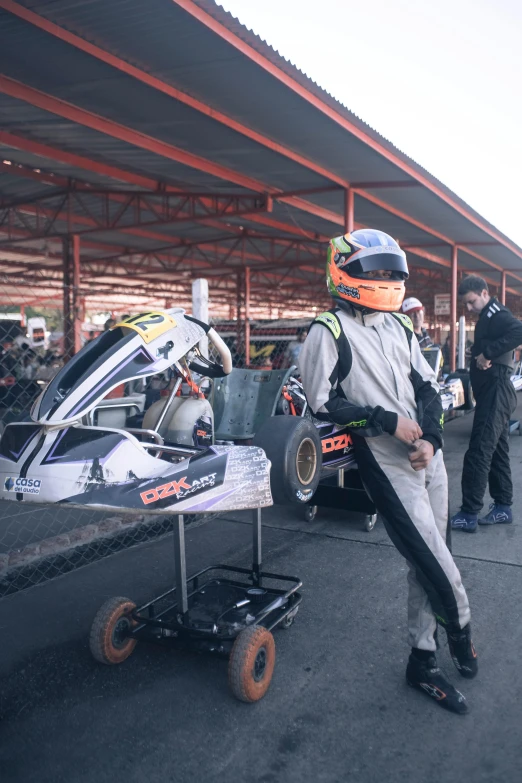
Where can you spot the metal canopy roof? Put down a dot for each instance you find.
(177, 143)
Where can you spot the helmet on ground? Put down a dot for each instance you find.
(354, 259)
(411, 304)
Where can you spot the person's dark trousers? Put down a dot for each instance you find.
(487, 457)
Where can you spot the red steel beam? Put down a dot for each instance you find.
(158, 84)
(105, 170)
(217, 27)
(115, 130)
(161, 86)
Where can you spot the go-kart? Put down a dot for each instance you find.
(66, 456)
(455, 388)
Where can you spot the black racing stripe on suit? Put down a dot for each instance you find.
(405, 535)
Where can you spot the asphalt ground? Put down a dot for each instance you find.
(338, 708)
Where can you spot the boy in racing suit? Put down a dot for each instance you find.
(361, 369)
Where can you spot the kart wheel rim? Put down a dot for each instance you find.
(306, 461)
(260, 665)
(120, 633)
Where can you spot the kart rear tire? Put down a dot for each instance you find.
(251, 664)
(108, 641)
(293, 446)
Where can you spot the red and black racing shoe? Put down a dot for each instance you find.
(426, 676)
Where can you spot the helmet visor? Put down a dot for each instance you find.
(388, 259)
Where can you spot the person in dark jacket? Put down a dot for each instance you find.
(486, 461)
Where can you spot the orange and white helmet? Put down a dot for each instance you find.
(353, 258)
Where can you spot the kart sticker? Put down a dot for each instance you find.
(179, 488)
(149, 325)
(349, 291)
(24, 485)
(335, 443)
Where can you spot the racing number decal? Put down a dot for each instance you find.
(338, 442)
(149, 325)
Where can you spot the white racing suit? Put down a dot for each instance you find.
(362, 371)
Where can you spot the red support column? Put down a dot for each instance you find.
(247, 316)
(348, 210)
(503, 289)
(22, 313)
(453, 308)
(71, 281)
(75, 299)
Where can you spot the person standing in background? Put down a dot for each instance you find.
(414, 309)
(486, 461)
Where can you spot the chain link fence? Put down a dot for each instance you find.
(273, 344)
(40, 542)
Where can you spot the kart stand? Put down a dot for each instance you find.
(343, 490)
(223, 609)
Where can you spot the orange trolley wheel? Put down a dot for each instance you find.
(251, 664)
(109, 641)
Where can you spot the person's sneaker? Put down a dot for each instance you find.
(464, 521)
(497, 515)
(463, 652)
(427, 677)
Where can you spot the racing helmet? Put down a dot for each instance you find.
(353, 258)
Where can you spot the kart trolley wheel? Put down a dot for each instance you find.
(225, 610)
(251, 664)
(109, 641)
(310, 512)
(369, 522)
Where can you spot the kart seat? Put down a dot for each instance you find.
(113, 412)
(244, 399)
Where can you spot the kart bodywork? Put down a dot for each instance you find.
(58, 458)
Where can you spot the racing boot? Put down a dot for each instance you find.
(463, 652)
(424, 674)
(464, 521)
(498, 514)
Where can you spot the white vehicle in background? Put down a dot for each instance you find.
(37, 333)
(34, 335)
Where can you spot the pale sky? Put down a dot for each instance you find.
(441, 80)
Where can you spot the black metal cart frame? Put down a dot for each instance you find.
(174, 623)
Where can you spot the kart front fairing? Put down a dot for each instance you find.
(142, 346)
(57, 459)
(110, 469)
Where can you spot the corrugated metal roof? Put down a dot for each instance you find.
(164, 40)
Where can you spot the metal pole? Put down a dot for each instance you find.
(503, 288)
(256, 546)
(200, 308)
(239, 289)
(75, 299)
(461, 364)
(247, 316)
(180, 565)
(453, 307)
(68, 340)
(348, 210)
